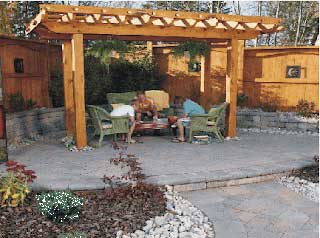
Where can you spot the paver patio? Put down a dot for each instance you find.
(169, 163)
(261, 210)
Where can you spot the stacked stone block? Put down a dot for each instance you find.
(33, 123)
(280, 120)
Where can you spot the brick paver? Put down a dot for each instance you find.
(165, 162)
(257, 211)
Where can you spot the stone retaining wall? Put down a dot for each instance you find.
(30, 124)
(283, 120)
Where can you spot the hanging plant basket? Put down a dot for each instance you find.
(191, 50)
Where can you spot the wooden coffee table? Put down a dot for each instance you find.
(142, 126)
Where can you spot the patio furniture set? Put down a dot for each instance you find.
(104, 124)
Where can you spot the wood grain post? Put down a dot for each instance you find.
(78, 90)
(205, 76)
(231, 86)
(68, 88)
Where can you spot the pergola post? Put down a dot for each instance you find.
(205, 76)
(78, 90)
(68, 87)
(231, 86)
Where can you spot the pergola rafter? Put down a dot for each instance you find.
(73, 24)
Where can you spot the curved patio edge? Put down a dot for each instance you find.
(224, 178)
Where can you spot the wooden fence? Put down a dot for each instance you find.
(263, 78)
(26, 68)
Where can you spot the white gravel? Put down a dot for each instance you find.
(278, 131)
(182, 220)
(305, 188)
(69, 143)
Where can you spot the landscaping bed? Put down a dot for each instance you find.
(129, 208)
(104, 213)
(304, 181)
(310, 174)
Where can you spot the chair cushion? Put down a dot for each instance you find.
(211, 123)
(159, 97)
(106, 125)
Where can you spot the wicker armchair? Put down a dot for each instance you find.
(104, 124)
(208, 122)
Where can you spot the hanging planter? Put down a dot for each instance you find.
(105, 50)
(191, 50)
(194, 66)
(187, 55)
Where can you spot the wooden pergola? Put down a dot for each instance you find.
(74, 24)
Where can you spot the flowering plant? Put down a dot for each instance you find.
(59, 206)
(14, 187)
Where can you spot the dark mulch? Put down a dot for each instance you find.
(309, 173)
(104, 213)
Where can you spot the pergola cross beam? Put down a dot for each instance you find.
(73, 24)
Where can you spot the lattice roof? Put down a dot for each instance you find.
(59, 21)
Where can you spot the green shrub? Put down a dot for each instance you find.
(305, 108)
(139, 75)
(75, 234)
(30, 104)
(59, 206)
(242, 99)
(122, 76)
(56, 88)
(16, 102)
(97, 81)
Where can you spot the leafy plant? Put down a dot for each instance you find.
(195, 48)
(242, 99)
(74, 234)
(123, 76)
(56, 87)
(14, 187)
(59, 206)
(103, 49)
(30, 104)
(305, 108)
(139, 75)
(16, 102)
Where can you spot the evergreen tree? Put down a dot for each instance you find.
(23, 13)
(194, 6)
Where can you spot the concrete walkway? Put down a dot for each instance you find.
(263, 210)
(253, 155)
(170, 163)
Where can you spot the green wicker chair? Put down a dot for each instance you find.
(104, 124)
(208, 122)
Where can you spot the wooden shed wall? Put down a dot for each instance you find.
(37, 60)
(263, 79)
(264, 76)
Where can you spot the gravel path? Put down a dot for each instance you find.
(182, 220)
